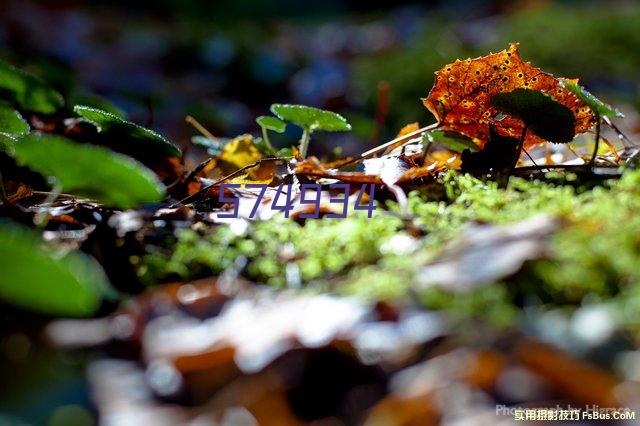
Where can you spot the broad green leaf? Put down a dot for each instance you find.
(271, 123)
(90, 171)
(119, 128)
(37, 279)
(11, 122)
(596, 105)
(540, 113)
(311, 118)
(6, 143)
(97, 102)
(28, 92)
(452, 140)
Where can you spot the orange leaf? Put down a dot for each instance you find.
(409, 128)
(461, 96)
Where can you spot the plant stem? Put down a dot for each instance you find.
(202, 191)
(595, 148)
(304, 142)
(265, 138)
(519, 150)
(42, 217)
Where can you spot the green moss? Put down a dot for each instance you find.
(595, 254)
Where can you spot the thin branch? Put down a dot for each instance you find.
(597, 144)
(199, 127)
(304, 142)
(42, 217)
(621, 135)
(523, 135)
(530, 157)
(397, 141)
(551, 166)
(202, 191)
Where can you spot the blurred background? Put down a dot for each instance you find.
(226, 62)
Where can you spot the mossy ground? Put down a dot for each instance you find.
(593, 257)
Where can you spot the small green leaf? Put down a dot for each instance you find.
(452, 140)
(90, 171)
(11, 122)
(311, 118)
(37, 279)
(596, 105)
(119, 128)
(28, 92)
(271, 123)
(541, 113)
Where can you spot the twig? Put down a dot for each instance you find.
(41, 218)
(551, 166)
(397, 141)
(191, 176)
(381, 110)
(523, 135)
(595, 148)
(194, 196)
(199, 127)
(530, 158)
(621, 135)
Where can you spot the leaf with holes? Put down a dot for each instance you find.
(97, 173)
(461, 96)
(122, 129)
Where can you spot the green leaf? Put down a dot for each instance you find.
(28, 92)
(271, 123)
(97, 102)
(90, 171)
(452, 140)
(596, 105)
(37, 279)
(11, 122)
(6, 143)
(311, 118)
(539, 112)
(119, 128)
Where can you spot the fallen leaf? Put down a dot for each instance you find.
(461, 96)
